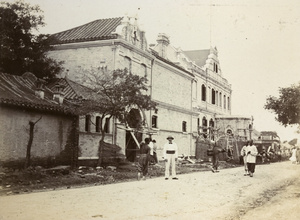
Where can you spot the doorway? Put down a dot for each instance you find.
(134, 122)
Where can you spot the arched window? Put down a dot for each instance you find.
(154, 121)
(229, 132)
(250, 126)
(184, 126)
(204, 124)
(228, 103)
(98, 124)
(194, 87)
(144, 70)
(87, 123)
(213, 96)
(216, 68)
(211, 126)
(106, 126)
(224, 101)
(211, 123)
(127, 63)
(220, 99)
(203, 90)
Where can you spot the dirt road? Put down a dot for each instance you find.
(273, 193)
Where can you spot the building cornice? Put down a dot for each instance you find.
(209, 79)
(174, 107)
(232, 117)
(102, 43)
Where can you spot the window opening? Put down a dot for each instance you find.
(98, 124)
(184, 126)
(203, 90)
(87, 123)
(154, 121)
(106, 125)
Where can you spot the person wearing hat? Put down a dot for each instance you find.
(170, 154)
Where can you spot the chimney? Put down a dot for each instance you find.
(58, 93)
(39, 88)
(163, 42)
(163, 39)
(40, 93)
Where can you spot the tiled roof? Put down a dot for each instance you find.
(96, 30)
(72, 90)
(20, 91)
(199, 56)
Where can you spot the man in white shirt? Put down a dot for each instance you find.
(151, 158)
(251, 158)
(244, 155)
(170, 154)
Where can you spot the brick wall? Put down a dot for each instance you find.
(50, 134)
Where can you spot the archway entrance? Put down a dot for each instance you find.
(134, 122)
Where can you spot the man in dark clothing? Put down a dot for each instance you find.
(143, 161)
(215, 157)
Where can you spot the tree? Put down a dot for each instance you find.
(115, 94)
(287, 106)
(20, 49)
(28, 149)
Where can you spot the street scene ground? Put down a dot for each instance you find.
(273, 193)
(14, 181)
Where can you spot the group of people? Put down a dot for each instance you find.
(295, 158)
(249, 153)
(148, 156)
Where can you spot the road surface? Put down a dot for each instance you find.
(273, 193)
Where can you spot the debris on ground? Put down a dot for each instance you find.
(39, 178)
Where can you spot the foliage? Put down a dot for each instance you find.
(20, 49)
(115, 94)
(287, 106)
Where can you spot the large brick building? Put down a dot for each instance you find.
(188, 86)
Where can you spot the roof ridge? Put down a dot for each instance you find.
(86, 24)
(77, 84)
(195, 50)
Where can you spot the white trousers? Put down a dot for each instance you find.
(170, 162)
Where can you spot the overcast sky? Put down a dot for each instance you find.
(257, 40)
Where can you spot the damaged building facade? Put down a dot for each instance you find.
(188, 86)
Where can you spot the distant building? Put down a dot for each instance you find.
(268, 140)
(237, 126)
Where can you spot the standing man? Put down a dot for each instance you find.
(244, 155)
(215, 156)
(143, 161)
(170, 156)
(251, 158)
(151, 157)
(154, 151)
